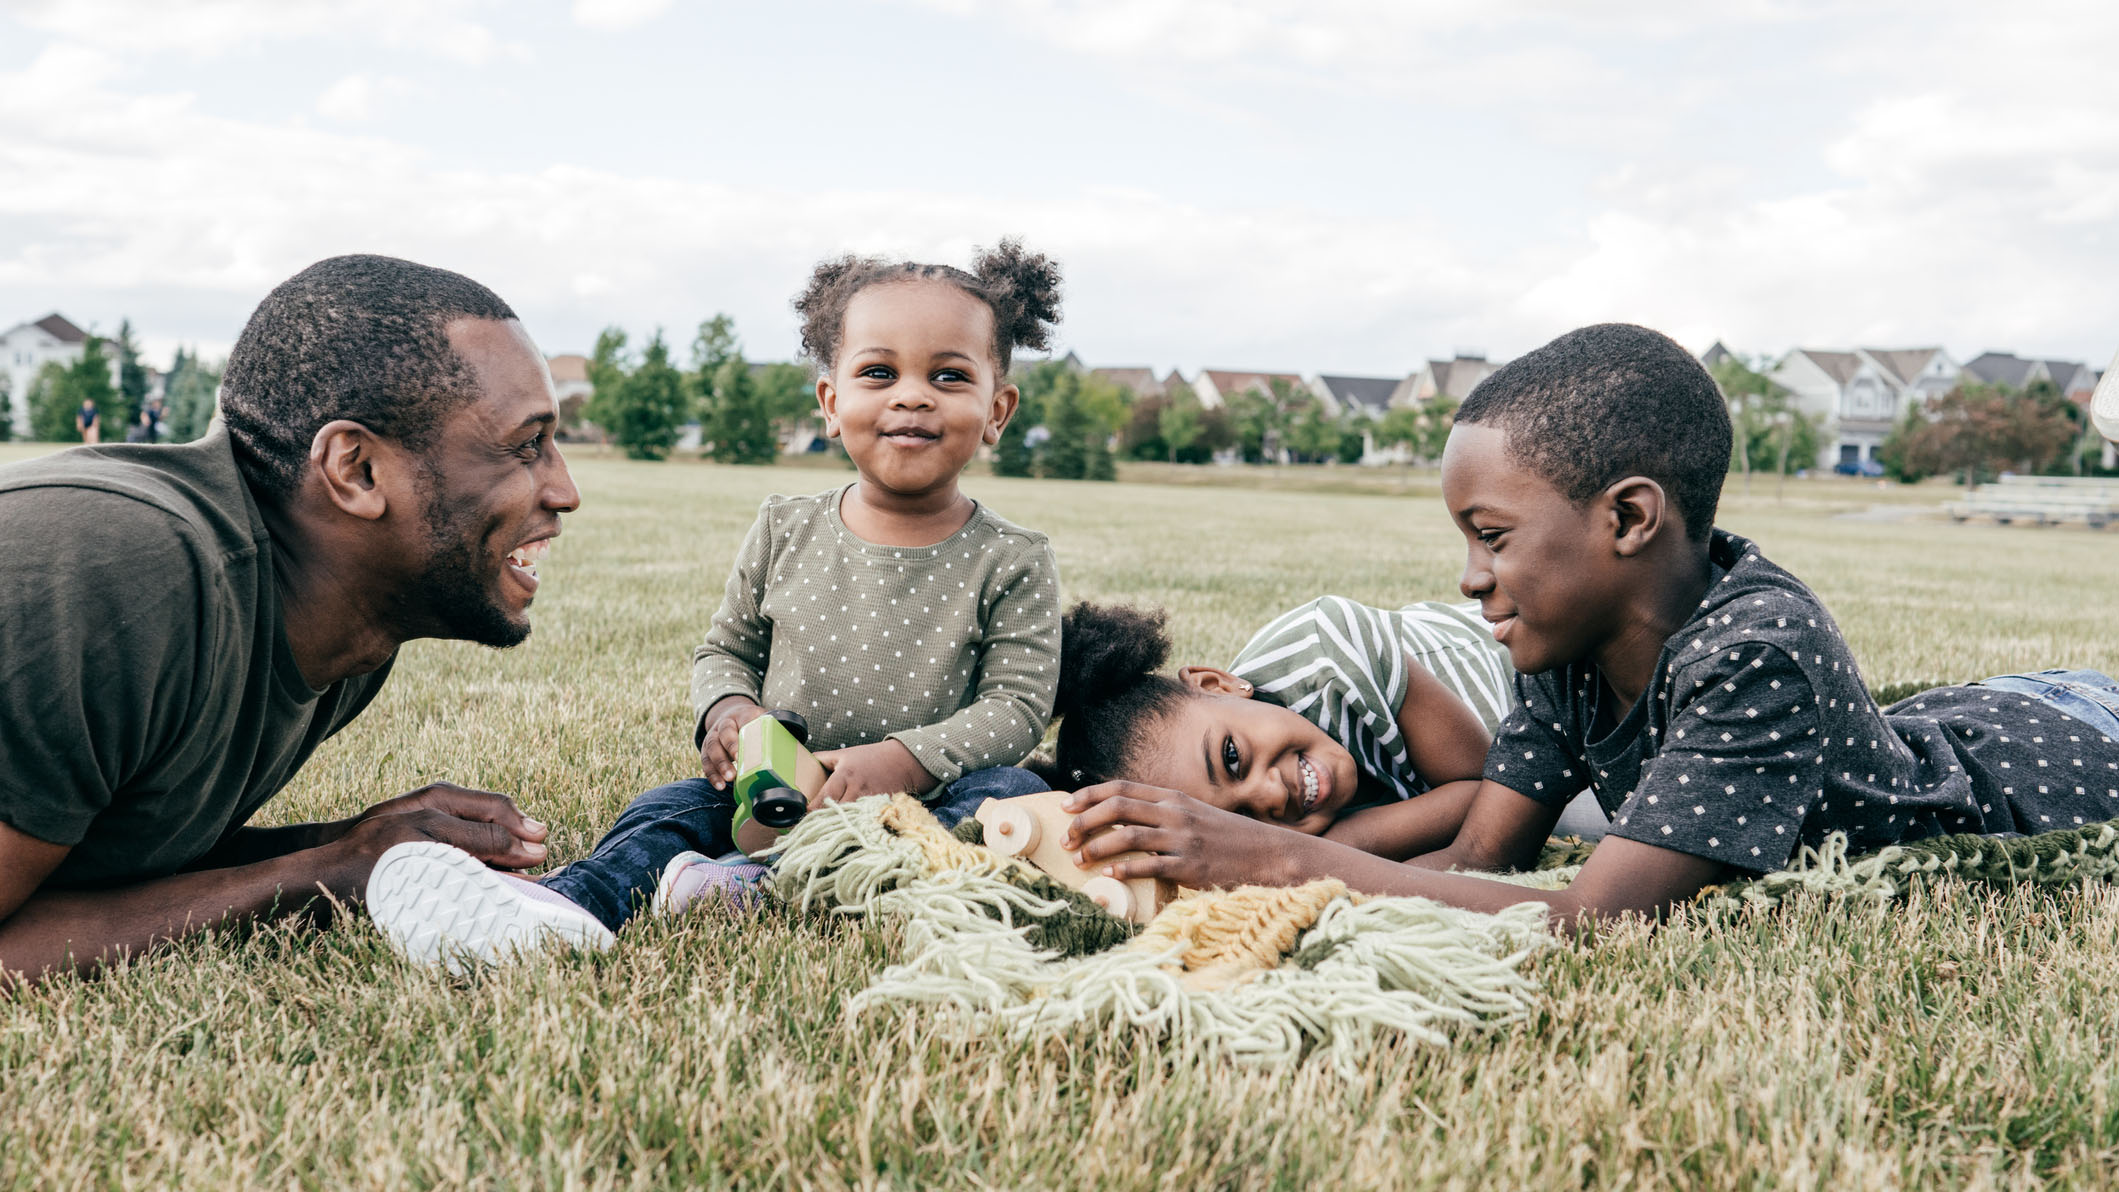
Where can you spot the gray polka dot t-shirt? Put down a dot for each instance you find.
(951, 649)
(1757, 735)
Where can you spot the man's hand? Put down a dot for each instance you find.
(1193, 843)
(486, 825)
(717, 748)
(884, 768)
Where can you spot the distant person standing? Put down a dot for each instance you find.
(85, 422)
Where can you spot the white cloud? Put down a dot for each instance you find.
(357, 98)
(209, 28)
(617, 14)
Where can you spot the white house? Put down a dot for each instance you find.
(28, 347)
(1367, 398)
(1454, 379)
(1859, 395)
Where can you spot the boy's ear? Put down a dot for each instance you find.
(1214, 681)
(1005, 401)
(828, 404)
(1639, 509)
(354, 473)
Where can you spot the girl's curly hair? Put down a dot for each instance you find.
(1022, 288)
(1110, 690)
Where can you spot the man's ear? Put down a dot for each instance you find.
(1005, 401)
(1639, 510)
(344, 455)
(828, 405)
(1214, 681)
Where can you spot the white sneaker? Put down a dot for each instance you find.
(692, 876)
(440, 906)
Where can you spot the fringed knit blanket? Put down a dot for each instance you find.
(1267, 974)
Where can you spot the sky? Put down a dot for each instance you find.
(1338, 186)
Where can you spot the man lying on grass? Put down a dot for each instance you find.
(1702, 693)
(182, 626)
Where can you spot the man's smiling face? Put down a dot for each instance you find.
(494, 485)
(1540, 566)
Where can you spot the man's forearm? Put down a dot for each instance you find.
(58, 931)
(247, 846)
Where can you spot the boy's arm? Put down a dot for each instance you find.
(1017, 680)
(730, 663)
(1502, 830)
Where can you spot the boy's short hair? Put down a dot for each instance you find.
(1606, 402)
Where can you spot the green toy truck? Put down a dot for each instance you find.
(775, 779)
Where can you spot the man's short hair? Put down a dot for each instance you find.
(356, 337)
(1610, 401)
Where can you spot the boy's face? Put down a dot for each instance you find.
(1542, 568)
(915, 389)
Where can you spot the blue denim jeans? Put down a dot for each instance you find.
(2089, 696)
(616, 880)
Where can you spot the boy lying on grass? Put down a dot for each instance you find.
(1701, 692)
(1366, 725)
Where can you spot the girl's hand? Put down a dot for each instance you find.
(883, 768)
(1194, 844)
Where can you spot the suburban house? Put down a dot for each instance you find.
(1140, 380)
(1454, 379)
(1859, 395)
(1715, 354)
(2074, 379)
(1216, 386)
(1367, 398)
(570, 381)
(28, 347)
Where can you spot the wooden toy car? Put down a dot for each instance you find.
(775, 779)
(1031, 827)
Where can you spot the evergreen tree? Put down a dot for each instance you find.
(60, 389)
(1013, 455)
(191, 387)
(132, 383)
(737, 422)
(644, 409)
(7, 408)
(789, 394)
(1066, 453)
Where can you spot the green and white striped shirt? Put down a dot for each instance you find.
(1342, 666)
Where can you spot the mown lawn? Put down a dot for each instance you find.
(1962, 1039)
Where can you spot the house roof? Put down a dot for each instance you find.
(1840, 366)
(2066, 374)
(1140, 380)
(567, 368)
(1370, 393)
(61, 328)
(2000, 368)
(1230, 383)
(1904, 364)
(1457, 378)
(1715, 354)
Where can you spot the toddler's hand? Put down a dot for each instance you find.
(884, 768)
(717, 749)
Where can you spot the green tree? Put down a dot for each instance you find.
(1766, 426)
(191, 387)
(646, 407)
(1313, 435)
(132, 381)
(1979, 431)
(1013, 455)
(713, 345)
(1181, 422)
(738, 427)
(610, 360)
(60, 389)
(789, 394)
(7, 408)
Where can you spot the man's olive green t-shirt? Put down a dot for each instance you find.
(149, 702)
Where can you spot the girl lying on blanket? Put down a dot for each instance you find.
(1701, 692)
(1366, 725)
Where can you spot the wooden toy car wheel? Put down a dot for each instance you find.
(1012, 831)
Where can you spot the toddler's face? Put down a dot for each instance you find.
(1251, 757)
(915, 390)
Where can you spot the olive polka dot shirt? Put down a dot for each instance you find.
(951, 649)
(1757, 735)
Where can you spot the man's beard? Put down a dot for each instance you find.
(452, 586)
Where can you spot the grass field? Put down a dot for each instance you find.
(1962, 1039)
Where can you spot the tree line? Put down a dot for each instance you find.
(60, 390)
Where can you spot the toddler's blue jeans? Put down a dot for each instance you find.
(617, 879)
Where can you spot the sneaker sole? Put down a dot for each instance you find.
(440, 907)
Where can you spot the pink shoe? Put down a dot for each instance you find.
(692, 876)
